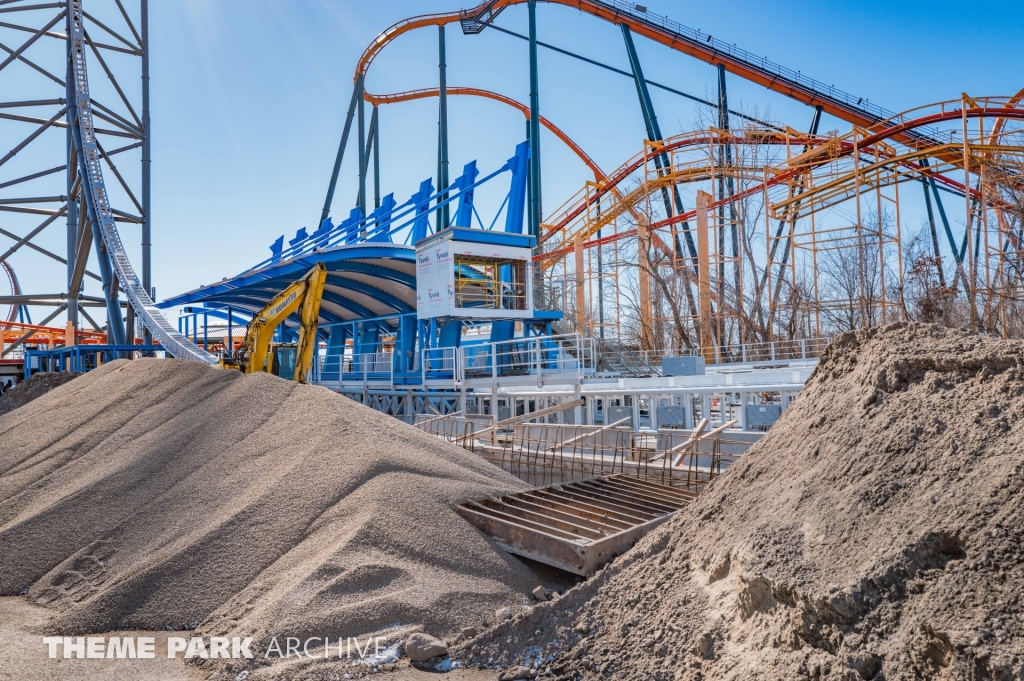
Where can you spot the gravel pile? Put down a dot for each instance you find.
(36, 385)
(164, 494)
(874, 533)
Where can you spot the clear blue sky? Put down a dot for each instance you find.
(249, 96)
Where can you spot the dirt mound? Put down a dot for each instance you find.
(166, 494)
(36, 385)
(874, 533)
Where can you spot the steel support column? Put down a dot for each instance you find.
(654, 134)
(376, 159)
(72, 207)
(147, 241)
(934, 233)
(361, 149)
(536, 209)
(442, 215)
(726, 182)
(357, 95)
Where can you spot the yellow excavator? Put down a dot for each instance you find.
(258, 351)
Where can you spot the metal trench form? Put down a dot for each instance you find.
(578, 526)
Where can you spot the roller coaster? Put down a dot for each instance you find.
(706, 241)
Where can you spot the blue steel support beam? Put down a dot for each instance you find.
(228, 314)
(536, 208)
(387, 299)
(442, 132)
(254, 304)
(518, 188)
(357, 96)
(529, 182)
(464, 213)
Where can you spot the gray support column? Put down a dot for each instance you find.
(72, 203)
(536, 210)
(147, 219)
(727, 183)
(376, 159)
(442, 132)
(361, 148)
(357, 95)
(935, 235)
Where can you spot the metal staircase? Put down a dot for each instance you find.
(481, 18)
(617, 357)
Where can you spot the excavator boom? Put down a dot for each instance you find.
(303, 295)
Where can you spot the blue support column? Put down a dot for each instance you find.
(518, 189)
(405, 344)
(536, 209)
(230, 349)
(464, 213)
(336, 337)
(422, 201)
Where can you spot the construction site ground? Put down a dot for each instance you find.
(874, 533)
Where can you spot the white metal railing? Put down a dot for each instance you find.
(542, 355)
(773, 351)
(440, 364)
(562, 354)
(364, 367)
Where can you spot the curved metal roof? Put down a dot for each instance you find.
(370, 279)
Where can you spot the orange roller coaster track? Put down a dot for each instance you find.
(670, 34)
(477, 92)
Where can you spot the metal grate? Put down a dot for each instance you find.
(577, 526)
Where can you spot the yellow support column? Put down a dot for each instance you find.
(646, 313)
(581, 303)
(704, 276)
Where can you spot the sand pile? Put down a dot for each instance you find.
(165, 494)
(37, 385)
(874, 533)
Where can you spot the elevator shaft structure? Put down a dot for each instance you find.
(88, 203)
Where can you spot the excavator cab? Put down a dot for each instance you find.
(283, 357)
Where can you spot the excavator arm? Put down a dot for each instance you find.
(303, 295)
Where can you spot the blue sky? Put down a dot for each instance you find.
(249, 97)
